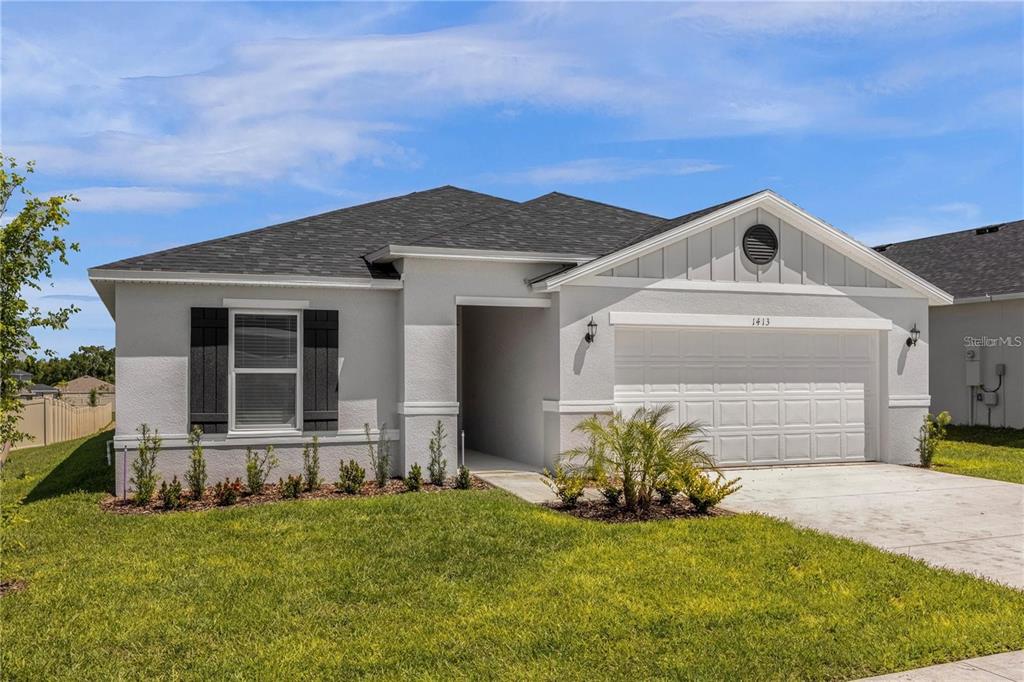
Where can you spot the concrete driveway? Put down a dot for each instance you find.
(967, 524)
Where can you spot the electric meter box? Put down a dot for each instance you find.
(973, 366)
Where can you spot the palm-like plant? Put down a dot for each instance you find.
(644, 451)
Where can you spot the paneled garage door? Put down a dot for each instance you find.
(764, 397)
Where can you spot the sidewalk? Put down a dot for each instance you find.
(996, 668)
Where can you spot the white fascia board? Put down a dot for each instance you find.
(744, 287)
(784, 209)
(394, 252)
(213, 278)
(504, 301)
(989, 298)
(752, 322)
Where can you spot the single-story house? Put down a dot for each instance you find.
(29, 390)
(79, 391)
(510, 321)
(977, 348)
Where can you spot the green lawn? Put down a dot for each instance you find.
(984, 452)
(458, 584)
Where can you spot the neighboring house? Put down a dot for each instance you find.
(513, 321)
(977, 349)
(30, 391)
(79, 391)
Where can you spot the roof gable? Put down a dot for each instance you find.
(763, 206)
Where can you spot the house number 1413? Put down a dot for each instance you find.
(761, 322)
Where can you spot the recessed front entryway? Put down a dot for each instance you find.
(764, 396)
(505, 363)
(967, 524)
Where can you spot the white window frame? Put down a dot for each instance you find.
(233, 429)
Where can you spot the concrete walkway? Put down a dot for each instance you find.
(967, 524)
(517, 478)
(997, 668)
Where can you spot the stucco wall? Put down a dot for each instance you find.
(505, 355)
(430, 332)
(1001, 323)
(588, 370)
(228, 461)
(153, 330)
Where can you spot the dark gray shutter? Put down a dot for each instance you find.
(320, 370)
(208, 370)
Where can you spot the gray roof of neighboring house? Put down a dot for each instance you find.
(334, 244)
(981, 261)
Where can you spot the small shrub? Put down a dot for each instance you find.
(258, 468)
(462, 480)
(227, 492)
(704, 492)
(195, 477)
(438, 464)
(351, 478)
(144, 466)
(611, 490)
(380, 454)
(290, 487)
(94, 397)
(414, 481)
(933, 432)
(670, 486)
(311, 464)
(170, 495)
(566, 483)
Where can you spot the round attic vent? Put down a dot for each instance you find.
(760, 244)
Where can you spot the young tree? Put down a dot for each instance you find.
(29, 244)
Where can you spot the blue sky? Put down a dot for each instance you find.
(180, 122)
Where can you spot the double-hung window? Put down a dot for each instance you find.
(265, 371)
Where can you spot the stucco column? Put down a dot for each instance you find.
(428, 390)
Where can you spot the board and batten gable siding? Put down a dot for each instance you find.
(716, 254)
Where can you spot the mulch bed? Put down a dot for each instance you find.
(599, 510)
(9, 586)
(271, 494)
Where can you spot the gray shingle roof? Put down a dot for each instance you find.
(552, 223)
(329, 244)
(966, 263)
(334, 244)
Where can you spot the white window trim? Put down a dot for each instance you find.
(233, 430)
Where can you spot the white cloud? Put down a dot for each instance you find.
(963, 210)
(241, 99)
(134, 199)
(587, 171)
(91, 325)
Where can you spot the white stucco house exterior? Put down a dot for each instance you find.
(786, 338)
(977, 349)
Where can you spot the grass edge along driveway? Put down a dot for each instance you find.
(982, 452)
(469, 584)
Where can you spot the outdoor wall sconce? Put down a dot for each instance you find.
(915, 334)
(591, 331)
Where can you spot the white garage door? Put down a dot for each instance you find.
(764, 397)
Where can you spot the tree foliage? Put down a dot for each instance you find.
(94, 361)
(29, 244)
